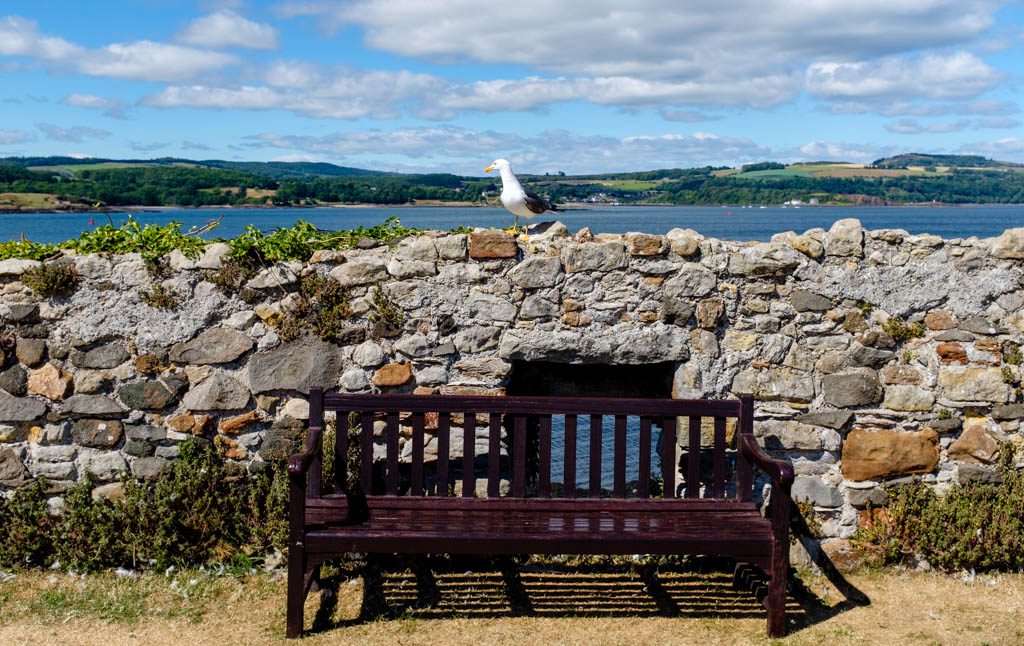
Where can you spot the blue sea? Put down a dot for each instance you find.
(732, 222)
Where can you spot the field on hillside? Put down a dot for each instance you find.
(72, 169)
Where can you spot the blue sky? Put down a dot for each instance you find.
(569, 86)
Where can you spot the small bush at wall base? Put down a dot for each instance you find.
(974, 526)
(195, 513)
(51, 279)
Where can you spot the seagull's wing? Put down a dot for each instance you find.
(536, 203)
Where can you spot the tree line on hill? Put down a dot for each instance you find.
(192, 185)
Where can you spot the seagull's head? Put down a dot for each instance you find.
(498, 165)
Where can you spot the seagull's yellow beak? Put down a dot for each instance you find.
(489, 169)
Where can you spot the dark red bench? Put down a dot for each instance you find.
(407, 507)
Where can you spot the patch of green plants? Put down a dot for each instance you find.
(232, 275)
(159, 297)
(323, 309)
(299, 241)
(195, 513)
(26, 249)
(865, 307)
(945, 413)
(1012, 354)
(974, 526)
(385, 315)
(150, 240)
(462, 228)
(51, 279)
(902, 331)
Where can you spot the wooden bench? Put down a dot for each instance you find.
(410, 507)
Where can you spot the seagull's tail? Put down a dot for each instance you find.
(553, 207)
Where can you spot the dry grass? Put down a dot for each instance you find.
(547, 608)
(27, 201)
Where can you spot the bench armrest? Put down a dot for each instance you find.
(299, 463)
(781, 472)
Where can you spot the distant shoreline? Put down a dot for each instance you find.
(442, 205)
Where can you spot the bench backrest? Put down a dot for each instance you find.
(527, 422)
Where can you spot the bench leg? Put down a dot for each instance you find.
(296, 589)
(776, 600)
(374, 602)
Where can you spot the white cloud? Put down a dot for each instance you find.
(464, 150)
(956, 76)
(225, 28)
(685, 116)
(998, 122)
(913, 127)
(8, 137)
(143, 147)
(111, 107)
(1008, 149)
(195, 145)
(75, 134)
(672, 57)
(142, 60)
(315, 93)
(840, 151)
(21, 37)
(146, 60)
(654, 38)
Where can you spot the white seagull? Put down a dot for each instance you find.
(516, 199)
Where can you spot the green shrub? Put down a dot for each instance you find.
(195, 513)
(901, 331)
(150, 240)
(385, 315)
(51, 279)
(26, 249)
(299, 241)
(159, 297)
(28, 528)
(974, 526)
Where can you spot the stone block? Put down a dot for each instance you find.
(873, 454)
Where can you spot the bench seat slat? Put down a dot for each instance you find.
(581, 531)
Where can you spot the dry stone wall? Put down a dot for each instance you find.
(876, 357)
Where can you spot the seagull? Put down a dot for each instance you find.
(516, 199)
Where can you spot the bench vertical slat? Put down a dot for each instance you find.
(744, 470)
(569, 468)
(693, 464)
(493, 455)
(668, 456)
(444, 423)
(341, 429)
(366, 452)
(417, 454)
(391, 484)
(544, 481)
(519, 459)
(620, 457)
(468, 455)
(644, 468)
(595, 456)
(718, 474)
(316, 419)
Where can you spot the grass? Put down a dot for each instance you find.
(833, 170)
(567, 608)
(27, 200)
(631, 185)
(72, 169)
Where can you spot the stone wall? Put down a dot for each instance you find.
(876, 357)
